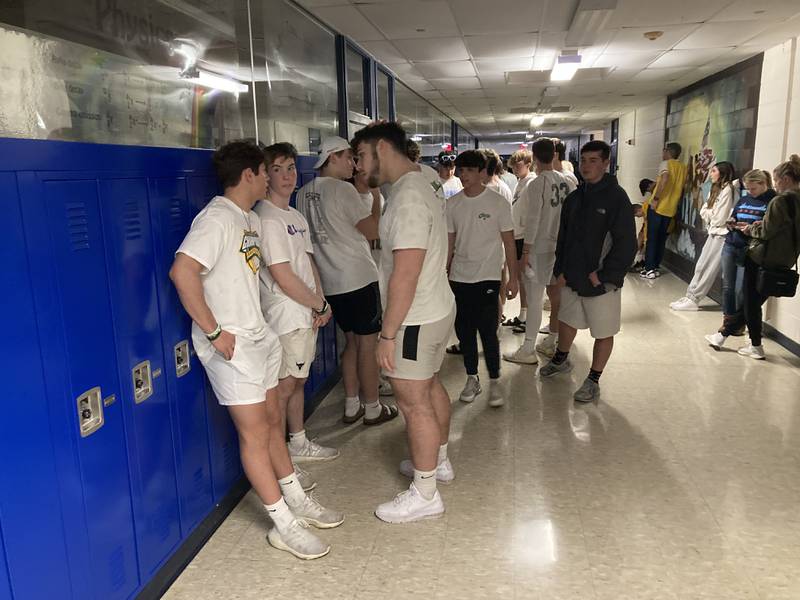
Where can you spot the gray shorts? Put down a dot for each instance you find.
(420, 349)
(601, 315)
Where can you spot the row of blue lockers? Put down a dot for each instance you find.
(113, 447)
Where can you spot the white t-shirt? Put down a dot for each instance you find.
(519, 206)
(571, 178)
(545, 195)
(510, 180)
(567, 166)
(415, 218)
(451, 187)
(333, 208)
(375, 246)
(286, 240)
(430, 174)
(226, 241)
(501, 188)
(477, 221)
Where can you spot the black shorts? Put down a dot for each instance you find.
(519, 244)
(358, 311)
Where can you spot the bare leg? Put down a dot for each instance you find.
(252, 425)
(441, 406)
(276, 411)
(601, 353)
(414, 401)
(566, 335)
(523, 294)
(296, 405)
(367, 367)
(350, 365)
(554, 293)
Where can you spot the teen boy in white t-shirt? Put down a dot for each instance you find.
(446, 165)
(291, 296)
(480, 239)
(216, 272)
(418, 316)
(341, 225)
(545, 197)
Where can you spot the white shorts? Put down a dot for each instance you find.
(298, 349)
(246, 377)
(601, 315)
(420, 349)
(540, 268)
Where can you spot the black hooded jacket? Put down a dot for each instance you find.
(597, 233)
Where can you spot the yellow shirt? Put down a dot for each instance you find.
(670, 196)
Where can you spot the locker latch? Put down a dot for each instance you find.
(142, 382)
(182, 358)
(90, 411)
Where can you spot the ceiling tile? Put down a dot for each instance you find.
(501, 16)
(384, 51)
(558, 14)
(746, 10)
(660, 74)
(777, 34)
(637, 13)
(406, 70)
(491, 81)
(350, 22)
(687, 58)
(316, 3)
(459, 83)
(633, 40)
(412, 19)
(487, 67)
(461, 68)
(629, 60)
(502, 46)
(450, 48)
(713, 35)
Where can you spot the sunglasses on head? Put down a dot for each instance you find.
(447, 158)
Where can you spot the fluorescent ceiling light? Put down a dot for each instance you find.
(217, 82)
(537, 121)
(566, 67)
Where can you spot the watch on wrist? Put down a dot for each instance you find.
(214, 334)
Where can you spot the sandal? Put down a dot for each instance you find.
(387, 414)
(454, 349)
(348, 420)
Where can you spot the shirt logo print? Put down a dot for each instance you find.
(251, 250)
(483, 216)
(293, 230)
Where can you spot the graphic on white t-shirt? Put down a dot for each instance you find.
(251, 250)
(546, 195)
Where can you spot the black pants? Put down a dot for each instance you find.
(750, 314)
(477, 312)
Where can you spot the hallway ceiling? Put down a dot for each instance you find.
(486, 63)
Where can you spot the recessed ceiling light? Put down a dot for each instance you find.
(653, 35)
(421, 30)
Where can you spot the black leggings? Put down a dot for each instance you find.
(477, 312)
(750, 314)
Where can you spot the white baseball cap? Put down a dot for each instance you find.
(331, 145)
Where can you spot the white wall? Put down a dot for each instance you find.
(643, 126)
(777, 137)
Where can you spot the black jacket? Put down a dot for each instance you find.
(597, 233)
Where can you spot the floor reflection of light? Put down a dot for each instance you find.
(579, 423)
(537, 543)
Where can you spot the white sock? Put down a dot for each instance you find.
(372, 410)
(280, 513)
(442, 453)
(297, 440)
(425, 482)
(292, 490)
(351, 406)
(523, 314)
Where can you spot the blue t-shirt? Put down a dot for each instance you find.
(748, 210)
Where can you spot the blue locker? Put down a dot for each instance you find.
(65, 243)
(331, 352)
(30, 509)
(171, 216)
(226, 468)
(129, 251)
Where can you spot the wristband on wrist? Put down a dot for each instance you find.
(214, 334)
(388, 339)
(322, 310)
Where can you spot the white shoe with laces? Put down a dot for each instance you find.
(685, 304)
(312, 452)
(755, 352)
(298, 540)
(522, 355)
(716, 340)
(472, 389)
(385, 388)
(496, 399)
(307, 482)
(444, 471)
(547, 345)
(410, 506)
(313, 513)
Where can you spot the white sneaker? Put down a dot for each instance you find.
(552, 368)
(521, 355)
(307, 482)
(313, 513)
(471, 390)
(409, 506)
(756, 352)
(685, 304)
(312, 452)
(496, 399)
(545, 329)
(716, 340)
(587, 392)
(547, 345)
(385, 388)
(444, 471)
(298, 540)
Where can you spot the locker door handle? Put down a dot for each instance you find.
(183, 361)
(90, 411)
(142, 377)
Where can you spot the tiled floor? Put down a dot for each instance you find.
(682, 482)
